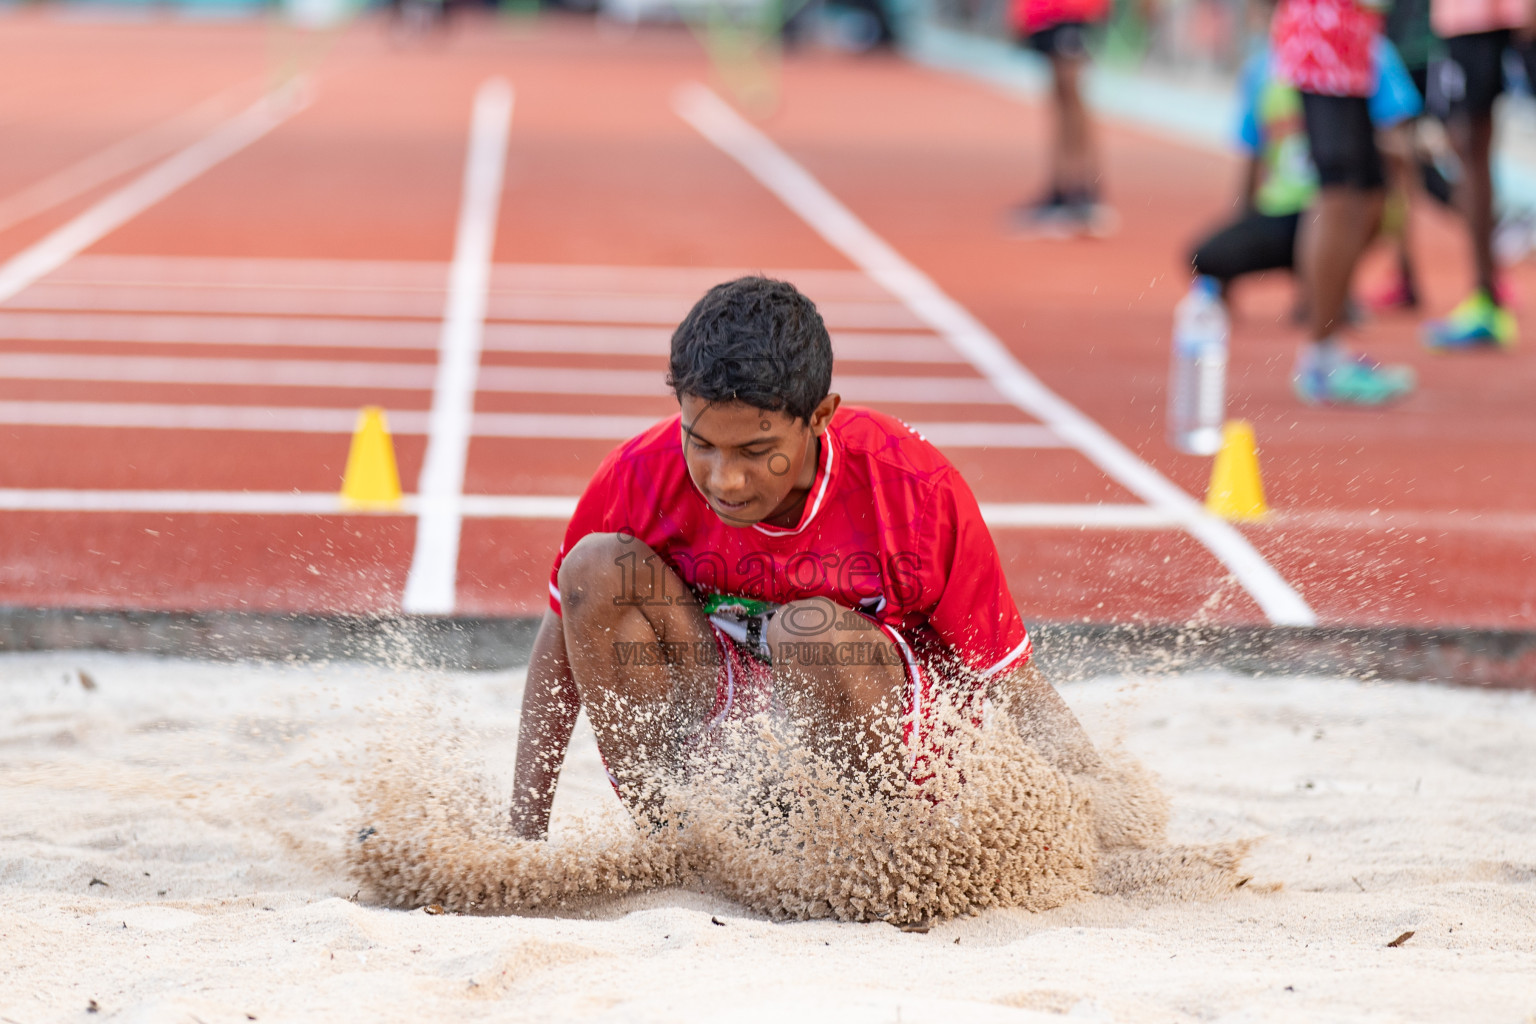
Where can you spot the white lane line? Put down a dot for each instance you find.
(173, 502)
(294, 373)
(408, 422)
(430, 586)
(500, 506)
(119, 158)
(999, 515)
(537, 380)
(232, 301)
(1091, 517)
(260, 272)
(298, 332)
(144, 415)
(824, 213)
(1407, 520)
(341, 332)
(422, 303)
(990, 435)
(679, 282)
(155, 184)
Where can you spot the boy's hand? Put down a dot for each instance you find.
(550, 707)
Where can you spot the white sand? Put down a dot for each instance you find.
(213, 802)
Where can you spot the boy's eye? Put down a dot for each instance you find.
(755, 453)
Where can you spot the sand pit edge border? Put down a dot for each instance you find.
(1069, 651)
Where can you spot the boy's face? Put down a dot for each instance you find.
(751, 464)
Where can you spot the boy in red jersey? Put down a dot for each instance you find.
(771, 545)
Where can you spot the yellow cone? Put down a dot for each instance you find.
(372, 480)
(1236, 491)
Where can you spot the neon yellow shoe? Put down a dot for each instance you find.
(1478, 322)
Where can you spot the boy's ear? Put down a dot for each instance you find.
(822, 414)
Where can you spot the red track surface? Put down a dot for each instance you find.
(1421, 515)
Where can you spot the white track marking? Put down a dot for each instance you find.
(259, 272)
(149, 188)
(430, 587)
(677, 282)
(823, 212)
(340, 332)
(408, 422)
(539, 380)
(173, 502)
(423, 304)
(1092, 517)
(102, 166)
(999, 515)
(262, 332)
(294, 373)
(990, 435)
(143, 415)
(251, 300)
(500, 506)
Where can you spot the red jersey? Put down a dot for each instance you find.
(1324, 46)
(1030, 16)
(889, 528)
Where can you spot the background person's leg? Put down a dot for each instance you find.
(1248, 245)
(1341, 223)
(1071, 207)
(1074, 170)
(1344, 221)
(1472, 135)
(1398, 150)
(641, 651)
(1473, 77)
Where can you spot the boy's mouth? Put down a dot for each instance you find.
(731, 506)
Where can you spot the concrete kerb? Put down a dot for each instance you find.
(1067, 651)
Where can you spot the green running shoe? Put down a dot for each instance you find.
(1478, 322)
(1352, 380)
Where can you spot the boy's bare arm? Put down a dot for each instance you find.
(1044, 721)
(550, 707)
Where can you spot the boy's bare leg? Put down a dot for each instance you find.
(1044, 721)
(851, 711)
(842, 679)
(641, 652)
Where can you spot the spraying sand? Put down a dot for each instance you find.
(177, 842)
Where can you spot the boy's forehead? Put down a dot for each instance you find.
(732, 422)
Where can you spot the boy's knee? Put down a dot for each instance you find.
(809, 620)
(594, 567)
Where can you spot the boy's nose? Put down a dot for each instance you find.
(729, 481)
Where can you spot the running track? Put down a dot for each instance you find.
(490, 235)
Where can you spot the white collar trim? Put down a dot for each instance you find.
(821, 493)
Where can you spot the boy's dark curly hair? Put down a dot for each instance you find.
(753, 340)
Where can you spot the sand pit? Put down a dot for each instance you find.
(172, 845)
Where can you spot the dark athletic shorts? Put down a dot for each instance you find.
(1343, 141)
(1420, 76)
(1067, 39)
(1252, 243)
(1472, 75)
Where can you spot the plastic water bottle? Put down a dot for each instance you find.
(1197, 379)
